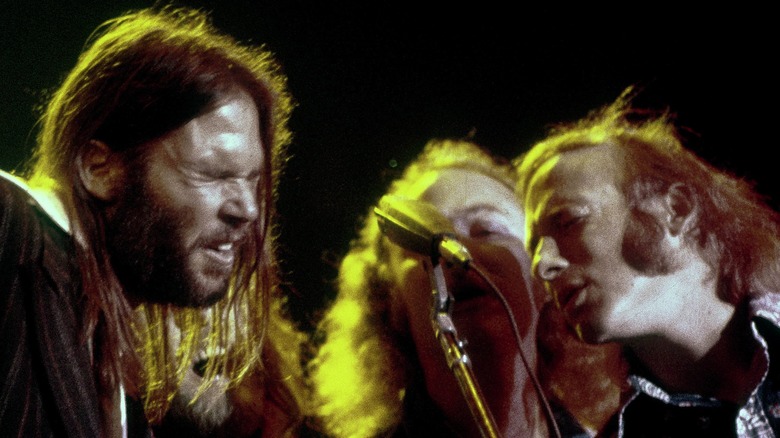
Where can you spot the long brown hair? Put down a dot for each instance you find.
(142, 75)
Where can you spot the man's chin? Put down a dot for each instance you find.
(205, 295)
(197, 295)
(591, 333)
(209, 300)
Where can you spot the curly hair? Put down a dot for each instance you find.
(141, 76)
(361, 372)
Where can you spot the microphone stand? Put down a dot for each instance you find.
(454, 353)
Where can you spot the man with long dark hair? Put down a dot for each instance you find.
(150, 197)
(643, 243)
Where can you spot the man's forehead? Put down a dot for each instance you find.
(599, 161)
(572, 171)
(232, 125)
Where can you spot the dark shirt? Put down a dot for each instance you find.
(652, 412)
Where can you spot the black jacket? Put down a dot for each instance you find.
(47, 385)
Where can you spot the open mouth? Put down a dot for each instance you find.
(222, 253)
(571, 298)
(473, 300)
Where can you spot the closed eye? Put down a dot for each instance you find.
(207, 176)
(487, 222)
(564, 221)
(569, 220)
(485, 230)
(485, 226)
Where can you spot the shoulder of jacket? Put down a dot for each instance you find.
(46, 200)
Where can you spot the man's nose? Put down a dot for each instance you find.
(548, 262)
(240, 205)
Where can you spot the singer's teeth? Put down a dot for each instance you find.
(225, 247)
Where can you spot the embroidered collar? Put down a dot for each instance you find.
(752, 420)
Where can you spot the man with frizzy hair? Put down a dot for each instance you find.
(380, 370)
(150, 197)
(643, 243)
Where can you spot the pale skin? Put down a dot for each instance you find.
(674, 322)
(205, 175)
(209, 169)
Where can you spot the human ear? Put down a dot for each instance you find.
(680, 208)
(101, 170)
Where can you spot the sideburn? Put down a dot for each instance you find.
(141, 240)
(641, 247)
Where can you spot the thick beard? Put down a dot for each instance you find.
(145, 244)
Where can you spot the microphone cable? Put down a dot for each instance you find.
(519, 340)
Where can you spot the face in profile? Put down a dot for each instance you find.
(488, 220)
(579, 231)
(178, 229)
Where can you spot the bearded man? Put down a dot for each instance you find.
(149, 198)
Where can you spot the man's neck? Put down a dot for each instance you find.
(707, 349)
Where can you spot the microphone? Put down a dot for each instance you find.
(419, 227)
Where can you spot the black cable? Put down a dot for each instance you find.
(516, 332)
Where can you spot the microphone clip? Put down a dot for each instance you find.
(447, 246)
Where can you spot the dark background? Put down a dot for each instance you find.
(374, 82)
